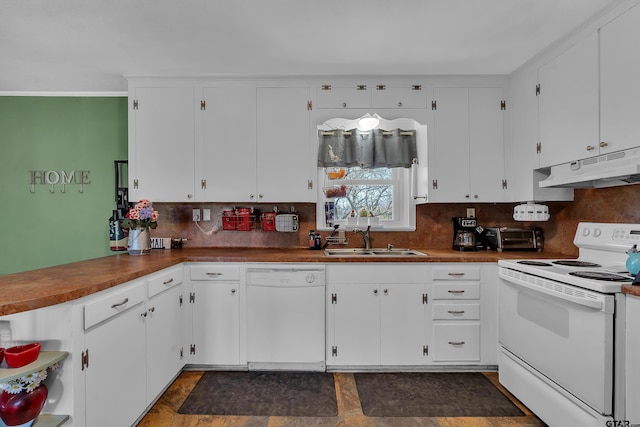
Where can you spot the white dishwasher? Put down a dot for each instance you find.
(285, 317)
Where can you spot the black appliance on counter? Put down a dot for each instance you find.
(467, 234)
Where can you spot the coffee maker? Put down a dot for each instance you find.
(467, 234)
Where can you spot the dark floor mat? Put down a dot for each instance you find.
(297, 394)
(431, 394)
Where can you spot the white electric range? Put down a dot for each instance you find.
(561, 324)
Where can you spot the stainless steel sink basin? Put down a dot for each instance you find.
(375, 252)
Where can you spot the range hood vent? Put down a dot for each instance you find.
(608, 170)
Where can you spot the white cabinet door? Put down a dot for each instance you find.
(164, 340)
(285, 169)
(486, 145)
(161, 144)
(333, 97)
(357, 325)
(216, 323)
(468, 161)
(116, 376)
(620, 82)
(403, 324)
(385, 96)
(451, 132)
(226, 155)
(568, 104)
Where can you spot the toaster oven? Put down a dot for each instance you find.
(512, 239)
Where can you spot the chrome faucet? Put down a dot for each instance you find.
(366, 236)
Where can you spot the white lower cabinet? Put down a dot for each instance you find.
(133, 342)
(376, 315)
(115, 372)
(632, 379)
(215, 301)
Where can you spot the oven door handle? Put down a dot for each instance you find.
(597, 305)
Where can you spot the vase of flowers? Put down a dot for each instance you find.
(138, 221)
(22, 399)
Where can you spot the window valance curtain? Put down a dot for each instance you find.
(368, 149)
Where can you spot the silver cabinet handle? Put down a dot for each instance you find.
(152, 309)
(166, 282)
(453, 291)
(456, 312)
(590, 148)
(456, 342)
(456, 274)
(604, 144)
(399, 104)
(233, 291)
(124, 301)
(386, 291)
(189, 196)
(214, 274)
(143, 314)
(344, 105)
(375, 292)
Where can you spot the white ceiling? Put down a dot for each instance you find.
(88, 45)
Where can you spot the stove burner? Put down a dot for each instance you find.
(576, 263)
(599, 275)
(538, 263)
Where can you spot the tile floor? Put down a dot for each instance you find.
(165, 412)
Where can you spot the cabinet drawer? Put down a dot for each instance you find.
(456, 273)
(112, 304)
(454, 291)
(456, 342)
(215, 272)
(343, 97)
(456, 311)
(165, 280)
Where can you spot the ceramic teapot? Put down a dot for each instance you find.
(633, 262)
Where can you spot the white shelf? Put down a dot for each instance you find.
(45, 359)
(48, 420)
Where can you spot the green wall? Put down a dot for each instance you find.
(42, 229)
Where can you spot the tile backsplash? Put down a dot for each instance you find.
(433, 222)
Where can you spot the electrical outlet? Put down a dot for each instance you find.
(196, 214)
(206, 214)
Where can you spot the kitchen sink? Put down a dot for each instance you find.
(375, 252)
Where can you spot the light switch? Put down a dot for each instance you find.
(206, 214)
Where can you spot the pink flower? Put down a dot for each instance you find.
(144, 203)
(154, 216)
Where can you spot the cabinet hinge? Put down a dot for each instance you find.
(538, 148)
(334, 298)
(325, 87)
(416, 87)
(504, 184)
(135, 104)
(192, 349)
(503, 105)
(538, 89)
(192, 297)
(135, 183)
(434, 184)
(181, 353)
(203, 105)
(309, 185)
(425, 298)
(203, 184)
(434, 105)
(180, 300)
(361, 87)
(84, 360)
(334, 351)
(309, 105)
(381, 87)
(425, 350)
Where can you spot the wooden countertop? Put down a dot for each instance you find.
(44, 287)
(631, 290)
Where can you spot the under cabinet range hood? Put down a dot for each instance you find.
(607, 170)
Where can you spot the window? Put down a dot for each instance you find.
(379, 197)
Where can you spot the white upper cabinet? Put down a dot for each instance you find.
(226, 153)
(468, 154)
(385, 96)
(161, 144)
(285, 171)
(568, 104)
(394, 95)
(332, 96)
(620, 83)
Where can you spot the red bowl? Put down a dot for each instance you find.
(21, 355)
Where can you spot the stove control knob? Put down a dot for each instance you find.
(585, 232)
(597, 232)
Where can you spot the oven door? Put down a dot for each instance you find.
(563, 332)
